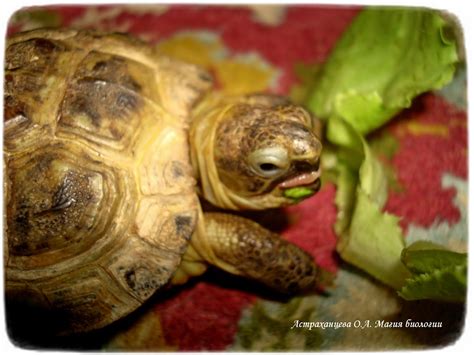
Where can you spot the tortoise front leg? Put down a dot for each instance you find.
(242, 247)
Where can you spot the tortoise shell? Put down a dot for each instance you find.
(99, 194)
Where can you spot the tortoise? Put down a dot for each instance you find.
(109, 148)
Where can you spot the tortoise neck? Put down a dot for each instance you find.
(205, 120)
(205, 117)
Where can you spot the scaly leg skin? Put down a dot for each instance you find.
(242, 247)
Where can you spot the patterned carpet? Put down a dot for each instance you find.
(262, 48)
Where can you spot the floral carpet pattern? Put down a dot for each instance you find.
(264, 48)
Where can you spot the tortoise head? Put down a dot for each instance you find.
(255, 152)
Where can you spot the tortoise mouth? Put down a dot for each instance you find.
(301, 186)
(315, 186)
(309, 180)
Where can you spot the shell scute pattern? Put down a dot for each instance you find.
(104, 102)
(58, 208)
(100, 191)
(28, 64)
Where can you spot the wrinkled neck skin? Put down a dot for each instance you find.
(206, 117)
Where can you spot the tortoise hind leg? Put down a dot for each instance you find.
(242, 247)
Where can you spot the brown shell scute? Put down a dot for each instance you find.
(55, 209)
(34, 54)
(100, 102)
(98, 181)
(105, 99)
(66, 209)
(27, 64)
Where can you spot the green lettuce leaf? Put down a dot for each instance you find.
(447, 284)
(437, 273)
(422, 257)
(373, 242)
(386, 58)
(368, 237)
(346, 187)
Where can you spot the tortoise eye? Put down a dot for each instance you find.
(269, 162)
(268, 167)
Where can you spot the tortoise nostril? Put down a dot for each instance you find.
(304, 165)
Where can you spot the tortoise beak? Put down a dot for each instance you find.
(304, 184)
(306, 179)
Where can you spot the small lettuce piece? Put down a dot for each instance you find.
(437, 273)
(385, 58)
(298, 192)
